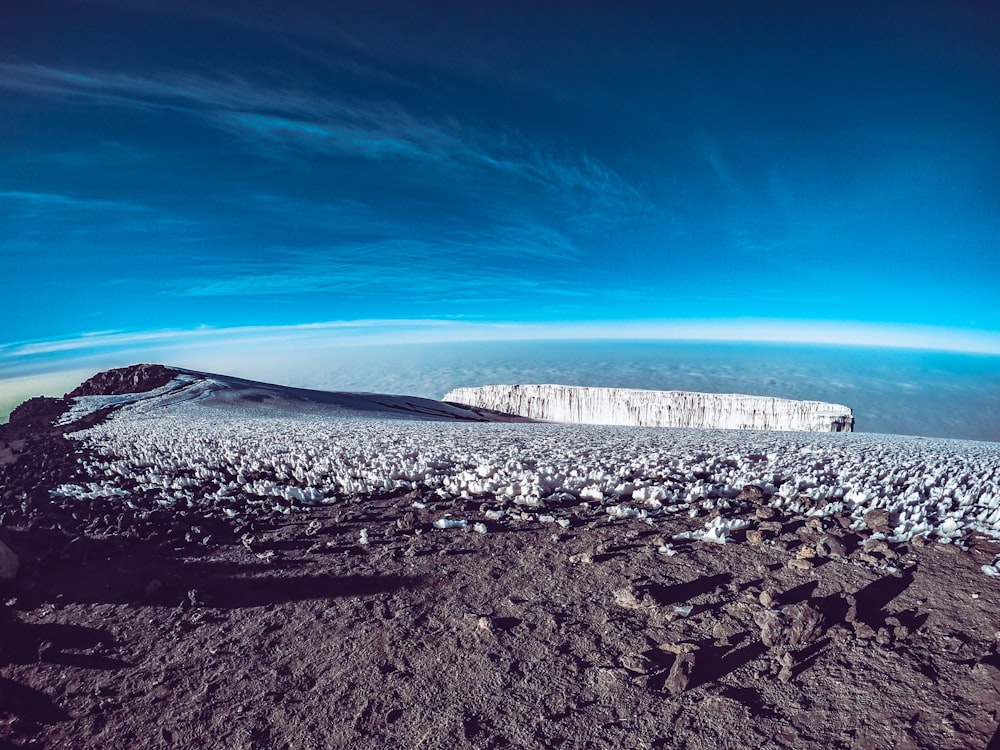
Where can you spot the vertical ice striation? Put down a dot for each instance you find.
(644, 408)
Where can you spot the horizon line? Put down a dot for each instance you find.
(427, 331)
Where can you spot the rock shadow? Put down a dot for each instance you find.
(715, 662)
(833, 607)
(682, 592)
(797, 594)
(67, 645)
(752, 699)
(808, 656)
(31, 706)
(711, 662)
(506, 623)
(873, 598)
(56, 643)
(994, 743)
(113, 572)
(913, 620)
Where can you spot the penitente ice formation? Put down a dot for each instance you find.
(646, 408)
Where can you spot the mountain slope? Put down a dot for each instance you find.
(153, 387)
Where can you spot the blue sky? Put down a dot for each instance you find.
(194, 171)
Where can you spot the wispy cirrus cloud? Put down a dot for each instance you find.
(375, 134)
(274, 119)
(29, 199)
(383, 133)
(465, 266)
(182, 91)
(710, 150)
(56, 217)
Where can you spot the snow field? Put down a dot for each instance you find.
(207, 454)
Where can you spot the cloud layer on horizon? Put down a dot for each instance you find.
(897, 391)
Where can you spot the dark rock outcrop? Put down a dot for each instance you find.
(132, 379)
(38, 412)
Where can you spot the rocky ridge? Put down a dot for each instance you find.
(124, 380)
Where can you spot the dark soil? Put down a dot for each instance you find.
(289, 633)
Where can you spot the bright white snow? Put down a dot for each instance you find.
(206, 446)
(644, 408)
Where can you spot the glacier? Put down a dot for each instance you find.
(648, 408)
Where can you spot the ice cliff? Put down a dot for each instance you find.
(643, 408)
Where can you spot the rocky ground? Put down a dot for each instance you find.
(362, 625)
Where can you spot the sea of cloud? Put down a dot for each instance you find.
(896, 391)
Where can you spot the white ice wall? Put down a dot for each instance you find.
(630, 406)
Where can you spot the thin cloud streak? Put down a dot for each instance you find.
(35, 221)
(177, 91)
(322, 124)
(452, 263)
(60, 201)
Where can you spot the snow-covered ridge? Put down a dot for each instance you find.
(86, 405)
(249, 397)
(644, 408)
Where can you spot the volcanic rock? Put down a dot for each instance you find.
(877, 519)
(793, 626)
(752, 494)
(132, 379)
(680, 673)
(831, 546)
(38, 412)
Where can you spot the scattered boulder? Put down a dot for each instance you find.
(679, 677)
(863, 630)
(627, 599)
(637, 663)
(723, 634)
(844, 520)
(880, 547)
(831, 546)
(814, 524)
(752, 494)
(877, 519)
(793, 626)
(787, 663)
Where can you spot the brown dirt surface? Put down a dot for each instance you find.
(288, 632)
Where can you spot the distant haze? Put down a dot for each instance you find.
(891, 391)
(909, 392)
